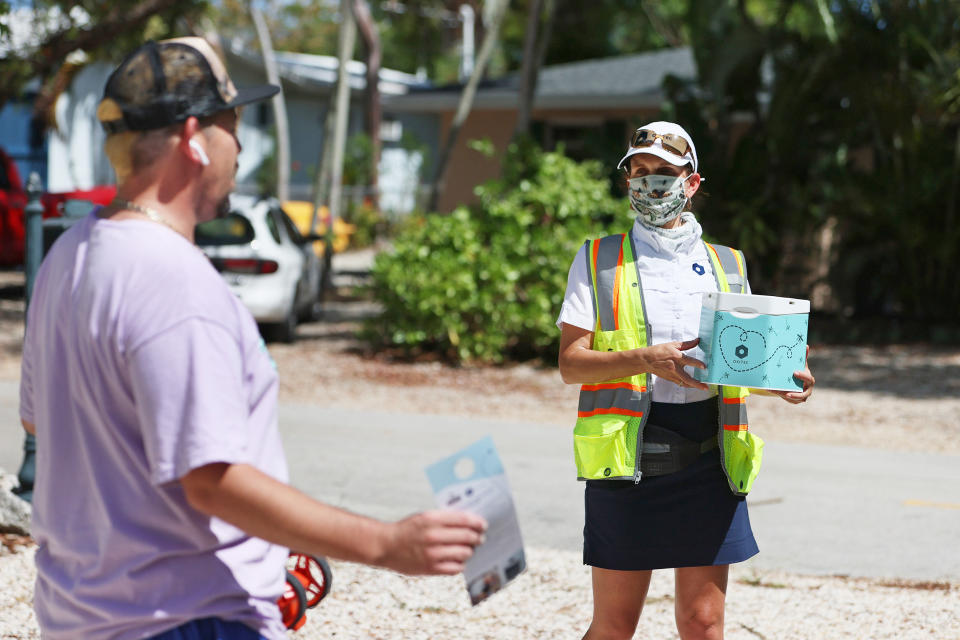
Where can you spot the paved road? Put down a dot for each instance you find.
(815, 509)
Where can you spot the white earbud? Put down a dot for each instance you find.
(204, 160)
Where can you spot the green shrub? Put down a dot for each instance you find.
(370, 223)
(486, 282)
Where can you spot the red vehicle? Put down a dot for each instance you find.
(13, 199)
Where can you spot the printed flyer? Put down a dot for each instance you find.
(474, 480)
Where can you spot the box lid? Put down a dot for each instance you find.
(749, 305)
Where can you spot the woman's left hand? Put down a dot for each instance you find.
(796, 397)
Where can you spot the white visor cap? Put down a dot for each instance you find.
(656, 149)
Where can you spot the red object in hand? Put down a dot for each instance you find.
(308, 582)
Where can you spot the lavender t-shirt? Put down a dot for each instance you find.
(138, 366)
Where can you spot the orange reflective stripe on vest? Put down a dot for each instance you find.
(607, 272)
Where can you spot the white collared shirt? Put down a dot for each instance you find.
(673, 274)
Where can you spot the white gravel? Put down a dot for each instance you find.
(552, 600)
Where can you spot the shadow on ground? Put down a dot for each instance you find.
(910, 371)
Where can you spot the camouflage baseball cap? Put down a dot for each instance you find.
(166, 82)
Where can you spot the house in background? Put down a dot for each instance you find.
(69, 156)
(21, 134)
(309, 82)
(591, 107)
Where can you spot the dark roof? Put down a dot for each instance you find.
(628, 81)
(318, 74)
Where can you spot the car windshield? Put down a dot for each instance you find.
(232, 229)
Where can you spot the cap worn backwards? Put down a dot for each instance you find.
(657, 149)
(166, 82)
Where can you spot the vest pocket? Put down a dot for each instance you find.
(600, 447)
(743, 453)
(617, 340)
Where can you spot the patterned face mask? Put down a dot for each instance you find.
(657, 199)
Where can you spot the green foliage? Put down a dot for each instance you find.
(370, 223)
(845, 173)
(423, 35)
(585, 29)
(486, 282)
(266, 174)
(103, 30)
(357, 159)
(304, 27)
(483, 146)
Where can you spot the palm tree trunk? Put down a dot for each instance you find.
(371, 38)
(466, 102)
(279, 106)
(330, 173)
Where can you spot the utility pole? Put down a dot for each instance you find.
(33, 232)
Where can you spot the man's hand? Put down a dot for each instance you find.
(434, 542)
(797, 397)
(667, 361)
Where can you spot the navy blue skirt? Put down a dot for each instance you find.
(685, 519)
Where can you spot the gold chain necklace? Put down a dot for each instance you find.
(120, 203)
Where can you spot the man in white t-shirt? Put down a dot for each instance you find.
(161, 507)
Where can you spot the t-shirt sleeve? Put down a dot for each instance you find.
(189, 392)
(577, 309)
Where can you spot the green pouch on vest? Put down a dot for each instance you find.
(743, 453)
(600, 445)
(617, 340)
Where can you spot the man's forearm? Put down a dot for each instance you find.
(266, 508)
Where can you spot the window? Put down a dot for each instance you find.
(292, 232)
(272, 226)
(230, 230)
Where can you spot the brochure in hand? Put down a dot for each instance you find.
(474, 480)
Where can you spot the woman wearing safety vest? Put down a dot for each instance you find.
(667, 460)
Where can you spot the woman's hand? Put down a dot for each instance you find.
(797, 397)
(580, 364)
(667, 361)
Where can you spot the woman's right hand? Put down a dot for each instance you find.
(667, 361)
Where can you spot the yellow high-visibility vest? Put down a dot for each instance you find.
(611, 415)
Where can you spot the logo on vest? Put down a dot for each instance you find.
(698, 269)
(606, 472)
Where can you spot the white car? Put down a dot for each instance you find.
(266, 262)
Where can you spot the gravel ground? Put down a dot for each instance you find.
(904, 396)
(552, 600)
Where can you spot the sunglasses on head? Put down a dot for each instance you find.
(670, 141)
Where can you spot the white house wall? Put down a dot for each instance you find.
(75, 152)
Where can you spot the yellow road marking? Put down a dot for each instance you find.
(928, 503)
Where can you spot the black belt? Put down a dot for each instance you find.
(666, 451)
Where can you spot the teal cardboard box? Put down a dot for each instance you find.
(753, 341)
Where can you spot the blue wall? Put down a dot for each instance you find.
(21, 140)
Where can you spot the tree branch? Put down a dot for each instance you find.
(52, 52)
(660, 26)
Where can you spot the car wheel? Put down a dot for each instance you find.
(287, 330)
